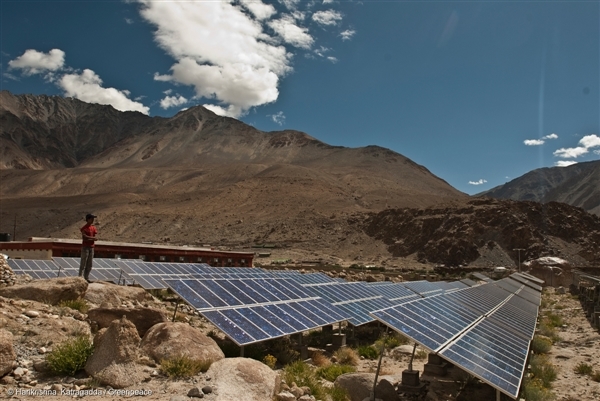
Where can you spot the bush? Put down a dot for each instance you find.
(76, 304)
(333, 371)
(554, 320)
(533, 390)
(70, 356)
(319, 359)
(583, 368)
(346, 356)
(543, 370)
(368, 352)
(183, 366)
(390, 341)
(303, 375)
(541, 345)
(270, 361)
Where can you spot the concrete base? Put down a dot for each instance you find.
(410, 378)
(303, 350)
(435, 366)
(327, 329)
(339, 341)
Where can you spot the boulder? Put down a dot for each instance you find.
(142, 318)
(360, 385)
(243, 379)
(116, 349)
(8, 357)
(167, 340)
(52, 291)
(102, 294)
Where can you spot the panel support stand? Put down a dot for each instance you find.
(175, 312)
(242, 351)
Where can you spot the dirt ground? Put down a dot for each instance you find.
(33, 336)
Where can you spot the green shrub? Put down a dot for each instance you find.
(331, 372)
(70, 356)
(421, 354)
(533, 390)
(391, 341)
(303, 375)
(183, 366)
(76, 304)
(583, 368)
(543, 370)
(270, 361)
(347, 356)
(368, 352)
(541, 345)
(553, 320)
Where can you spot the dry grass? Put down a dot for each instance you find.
(347, 356)
(320, 360)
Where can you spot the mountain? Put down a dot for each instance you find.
(577, 185)
(193, 178)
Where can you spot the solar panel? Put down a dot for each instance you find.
(102, 270)
(309, 278)
(256, 309)
(485, 330)
(521, 279)
(38, 269)
(423, 287)
(531, 278)
(355, 298)
(393, 291)
(487, 352)
(482, 277)
(469, 282)
(151, 275)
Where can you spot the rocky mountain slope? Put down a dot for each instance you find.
(486, 232)
(577, 185)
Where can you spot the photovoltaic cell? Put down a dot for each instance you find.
(523, 280)
(37, 269)
(482, 277)
(394, 292)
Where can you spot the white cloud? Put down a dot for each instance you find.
(586, 143)
(172, 101)
(259, 9)
(590, 141)
(481, 181)
(220, 51)
(87, 87)
(329, 17)
(564, 163)
(568, 153)
(278, 118)
(292, 33)
(327, 1)
(332, 59)
(597, 152)
(541, 141)
(35, 62)
(231, 111)
(168, 91)
(347, 34)
(129, 21)
(290, 4)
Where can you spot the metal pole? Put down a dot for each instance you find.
(519, 252)
(59, 267)
(242, 351)
(175, 313)
(372, 397)
(410, 365)
(497, 395)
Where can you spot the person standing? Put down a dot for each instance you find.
(88, 235)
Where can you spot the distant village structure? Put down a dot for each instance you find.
(46, 248)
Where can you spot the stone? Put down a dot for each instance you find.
(115, 353)
(286, 396)
(207, 389)
(297, 391)
(402, 350)
(142, 318)
(56, 387)
(18, 372)
(32, 313)
(8, 380)
(40, 365)
(244, 379)
(7, 353)
(360, 385)
(179, 398)
(172, 339)
(307, 398)
(52, 291)
(195, 392)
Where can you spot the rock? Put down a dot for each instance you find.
(142, 318)
(52, 291)
(40, 365)
(195, 392)
(19, 372)
(207, 389)
(286, 396)
(115, 352)
(243, 379)
(7, 352)
(360, 385)
(32, 313)
(179, 398)
(56, 387)
(402, 350)
(8, 380)
(168, 340)
(297, 391)
(307, 398)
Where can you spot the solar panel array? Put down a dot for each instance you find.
(485, 329)
(482, 277)
(40, 269)
(257, 309)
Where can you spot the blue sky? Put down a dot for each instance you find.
(479, 92)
